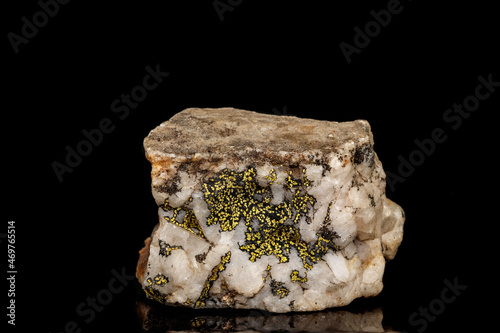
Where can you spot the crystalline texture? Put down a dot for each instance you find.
(269, 212)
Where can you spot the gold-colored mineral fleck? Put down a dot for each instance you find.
(214, 275)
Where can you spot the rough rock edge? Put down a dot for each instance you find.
(142, 263)
(185, 134)
(163, 161)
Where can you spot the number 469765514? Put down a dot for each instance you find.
(11, 249)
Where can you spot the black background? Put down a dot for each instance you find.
(265, 56)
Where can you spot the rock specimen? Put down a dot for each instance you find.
(266, 212)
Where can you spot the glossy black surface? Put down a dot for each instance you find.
(77, 240)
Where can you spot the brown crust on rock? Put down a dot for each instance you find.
(143, 260)
(223, 132)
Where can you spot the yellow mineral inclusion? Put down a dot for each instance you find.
(155, 294)
(189, 222)
(166, 249)
(291, 182)
(296, 278)
(214, 275)
(235, 196)
(278, 289)
(271, 177)
(306, 182)
(268, 272)
(327, 217)
(160, 280)
(231, 197)
(300, 204)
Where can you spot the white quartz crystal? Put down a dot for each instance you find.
(259, 211)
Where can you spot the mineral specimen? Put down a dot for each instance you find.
(266, 212)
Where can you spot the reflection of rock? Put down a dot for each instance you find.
(157, 318)
(265, 212)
